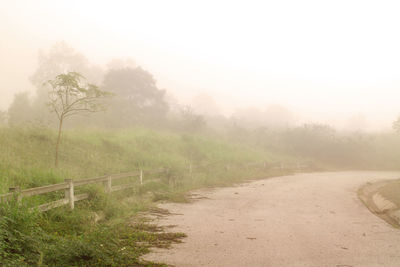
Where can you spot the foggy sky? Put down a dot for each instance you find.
(327, 61)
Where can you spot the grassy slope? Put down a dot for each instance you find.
(27, 154)
(63, 238)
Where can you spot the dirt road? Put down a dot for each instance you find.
(298, 220)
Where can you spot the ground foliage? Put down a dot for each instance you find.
(61, 237)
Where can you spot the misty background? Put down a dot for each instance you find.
(334, 63)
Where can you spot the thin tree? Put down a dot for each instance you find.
(70, 95)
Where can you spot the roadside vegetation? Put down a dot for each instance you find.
(61, 237)
(27, 154)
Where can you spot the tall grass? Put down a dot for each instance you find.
(27, 153)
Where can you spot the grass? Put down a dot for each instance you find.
(27, 154)
(61, 237)
(32, 239)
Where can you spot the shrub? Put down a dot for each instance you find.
(20, 235)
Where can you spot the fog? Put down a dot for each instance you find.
(280, 112)
(327, 62)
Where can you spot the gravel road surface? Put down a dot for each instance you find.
(297, 220)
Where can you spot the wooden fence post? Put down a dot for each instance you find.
(141, 177)
(108, 184)
(69, 193)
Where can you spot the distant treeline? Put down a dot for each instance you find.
(327, 147)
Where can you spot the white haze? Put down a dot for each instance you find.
(335, 62)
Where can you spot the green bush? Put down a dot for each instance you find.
(20, 235)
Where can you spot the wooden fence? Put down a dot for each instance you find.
(69, 185)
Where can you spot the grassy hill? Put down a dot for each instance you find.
(27, 154)
(61, 237)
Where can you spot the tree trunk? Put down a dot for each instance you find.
(58, 140)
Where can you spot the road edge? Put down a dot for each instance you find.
(378, 204)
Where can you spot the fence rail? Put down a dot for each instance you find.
(69, 185)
